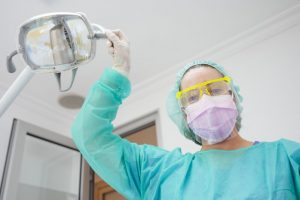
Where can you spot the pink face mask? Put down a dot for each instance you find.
(212, 118)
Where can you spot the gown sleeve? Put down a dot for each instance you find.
(117, 161)
(293, 150)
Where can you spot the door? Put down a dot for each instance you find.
(43, 165)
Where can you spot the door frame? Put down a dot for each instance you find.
(140, 123)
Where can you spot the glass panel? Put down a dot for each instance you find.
(38, 46)
(48, 171)
(57, 41)
(80, 35)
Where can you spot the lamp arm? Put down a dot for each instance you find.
(16, 88)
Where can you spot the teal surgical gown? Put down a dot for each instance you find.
(268, 170)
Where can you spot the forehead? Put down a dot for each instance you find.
(198, 75)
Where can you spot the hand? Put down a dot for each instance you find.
(118, 47)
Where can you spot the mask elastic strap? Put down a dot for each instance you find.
(58, 78)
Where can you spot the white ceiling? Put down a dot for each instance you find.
(162, 34)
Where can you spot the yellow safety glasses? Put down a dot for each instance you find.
(215, 87)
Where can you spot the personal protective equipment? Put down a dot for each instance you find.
(56, 42)
(268, 170)
(118, 47)
(194, 93)
(174, 108)
(212, 118)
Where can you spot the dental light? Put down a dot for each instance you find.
(52, 43)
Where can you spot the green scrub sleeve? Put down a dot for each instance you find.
(293, 152)
(117, 161)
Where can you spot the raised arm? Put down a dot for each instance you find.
(116, 160)
(126, 166)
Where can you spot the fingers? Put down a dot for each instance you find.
(109, 43)
(112, 36)
(110, 47)
(111, 51)
(120, 34)
(116, 36)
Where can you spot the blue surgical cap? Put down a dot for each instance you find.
(174, 109)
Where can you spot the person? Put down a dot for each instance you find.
(206, 106)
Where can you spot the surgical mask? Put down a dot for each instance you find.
(212, 118)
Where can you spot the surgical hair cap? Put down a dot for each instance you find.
(174, 109)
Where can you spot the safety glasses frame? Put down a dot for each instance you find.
(180, 93)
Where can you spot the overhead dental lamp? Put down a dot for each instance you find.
(52, 43)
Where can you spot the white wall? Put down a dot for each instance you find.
(264, 62)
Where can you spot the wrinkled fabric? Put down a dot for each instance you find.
(212, 118)
(267, 170)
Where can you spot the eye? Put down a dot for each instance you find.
(193, 98)
(216, 91)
